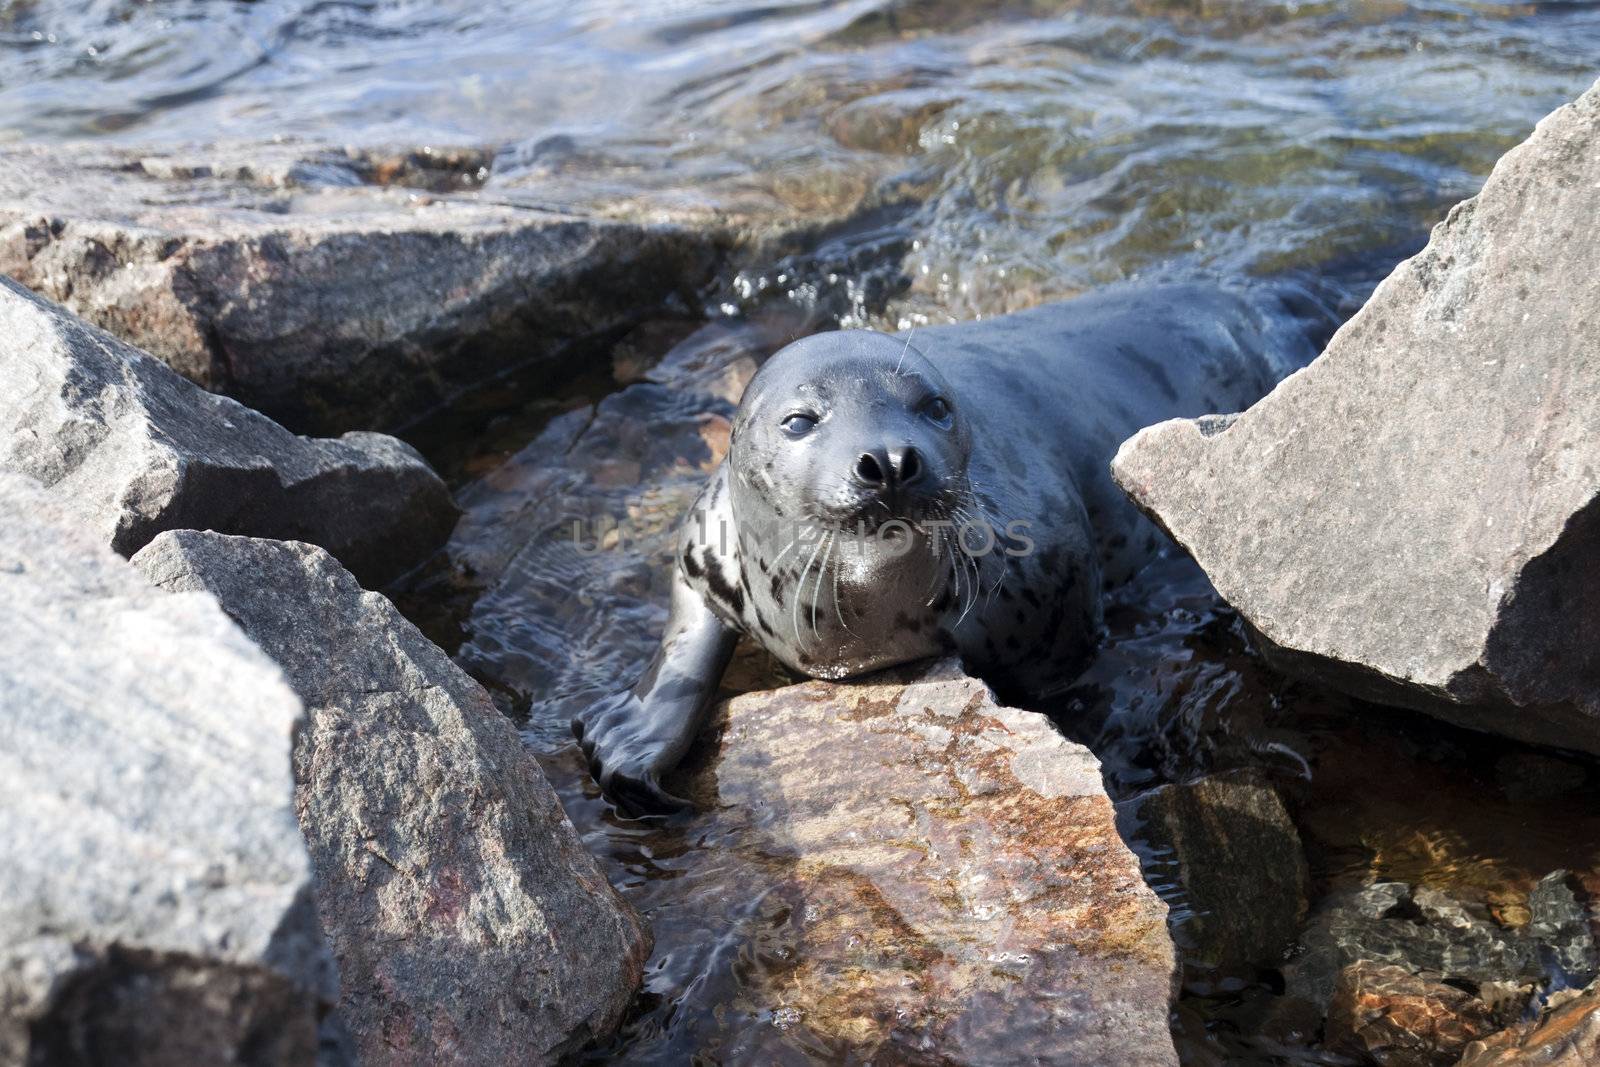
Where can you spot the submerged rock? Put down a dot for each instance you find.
(469, 923)
(1228, 847)
(1415, 518)
(1562, 928)
(1567, 1036)
(1394, 1018)
(129, 449)
(155, 894)
(1428, 934)
(956, 889)
(336, 289)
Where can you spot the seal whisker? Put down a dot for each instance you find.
(816, 592)
(786, 550)
(978, 564)
(799, 587)
(901, 362)
(975, 578)
(960, 573)
(837, 609)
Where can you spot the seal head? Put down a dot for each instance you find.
(849, 431)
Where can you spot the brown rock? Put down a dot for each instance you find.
(959, 890)
(1568, 1036)
(1228, 842)
(1400, 1019)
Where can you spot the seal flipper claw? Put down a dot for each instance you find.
(633, 737)
(644, 796)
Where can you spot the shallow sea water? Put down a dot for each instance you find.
(1012, 152)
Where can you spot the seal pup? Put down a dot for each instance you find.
(887, 499)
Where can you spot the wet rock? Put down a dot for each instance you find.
(336, 289)
(1415, 928)
(1568, 1036)
(966, 899)
(891, 122)
(1389, 1016)
(155, 894)
(1415, 518)
(1560, 926)
(469, 923)
(1433, 937)
(1227, 845)
(572, 538)
(130, 449)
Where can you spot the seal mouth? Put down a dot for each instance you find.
(901, 512)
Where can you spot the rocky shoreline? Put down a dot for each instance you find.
(267, 820)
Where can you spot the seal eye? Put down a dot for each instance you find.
(798, 424)
(937, 410)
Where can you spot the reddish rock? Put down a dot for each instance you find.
(957, 888)
(1568, 1036)
(1400, 1019)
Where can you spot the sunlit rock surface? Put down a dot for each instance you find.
(155, 894)
(957, 891)
(128, 449)
(469, 923)
(335, 289)
(1416, 517)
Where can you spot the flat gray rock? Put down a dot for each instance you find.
(128, 449)
(469, 923)
(155, 893)
(336, 289)
(1414, 517)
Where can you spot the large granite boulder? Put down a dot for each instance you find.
(335, 289)
(1415, 518)
(155, 894)
(952, 885)
(129, 449)
(469, 924)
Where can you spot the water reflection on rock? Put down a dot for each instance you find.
(965, 900)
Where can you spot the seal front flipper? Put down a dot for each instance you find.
(634, 737)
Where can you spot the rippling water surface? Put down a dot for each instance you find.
(1002, 153)
(1046, 145)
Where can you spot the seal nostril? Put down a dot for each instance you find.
(910, 465)
(869, 470)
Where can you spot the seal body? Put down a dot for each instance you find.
(891, 498)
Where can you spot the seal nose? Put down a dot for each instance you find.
(886, 468)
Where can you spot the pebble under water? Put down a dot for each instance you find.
(990, 156)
